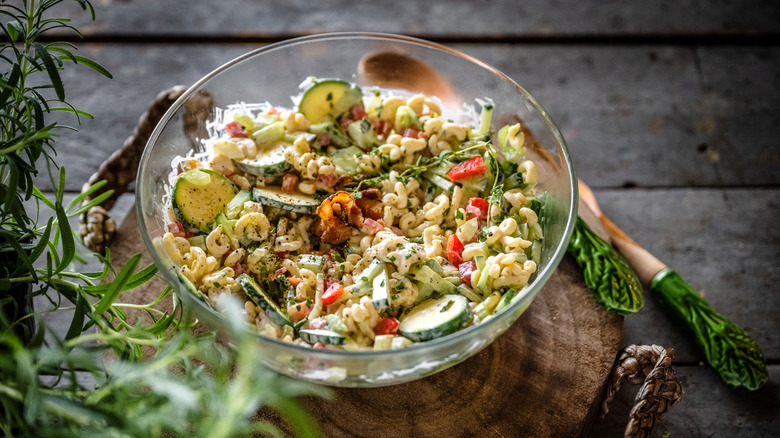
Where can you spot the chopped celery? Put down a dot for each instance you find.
(405, 117)
(363, 134)
(234, 207)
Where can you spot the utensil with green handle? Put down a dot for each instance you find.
(727, 347)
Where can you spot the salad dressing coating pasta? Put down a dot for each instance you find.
(338, 221)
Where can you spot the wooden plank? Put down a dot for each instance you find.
(708, 409)
(648, 116)
(432, 19)
(723, 242)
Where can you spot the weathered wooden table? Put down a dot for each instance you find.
(669, 109)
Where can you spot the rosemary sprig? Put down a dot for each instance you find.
(47, 378)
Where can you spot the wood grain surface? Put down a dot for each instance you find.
(545, 376)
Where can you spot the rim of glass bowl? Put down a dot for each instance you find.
(415, 348)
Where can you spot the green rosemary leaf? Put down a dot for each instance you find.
(68, 241)
(116, 286)
(51, 69)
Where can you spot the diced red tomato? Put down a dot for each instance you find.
(289, 182)
(235, 129)
(295, 281)
(386, 326)
(471, 167)
(477, 207)
(372, 226)
(358, 112)
(298, 311)
(455, 250)
(178, 230)
(328, 179)
(465, 269)
(332, 293)
(273, 111)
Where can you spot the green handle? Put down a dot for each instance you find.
(727, 347)
(605, 271)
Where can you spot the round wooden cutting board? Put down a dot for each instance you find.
(544, 377)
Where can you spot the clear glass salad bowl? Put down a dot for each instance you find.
(273, 73)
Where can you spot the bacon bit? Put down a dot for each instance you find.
(370, 226)
(338, 213)
(341, 184)
(319, 346)
(409, 132)
(275, 275)
(370, 203)
(398, 231)
(273, 111)
(239, 269)
(179, 230)
(328, 264)
(328, 180)
(289, 182)
(317, 323)
(324, 138)
(382, 127)
(295, 281)
(283, 254)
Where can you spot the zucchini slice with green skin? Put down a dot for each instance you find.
(434, 318)
(258, 295)
(199, 195)
(270, 162)
(312, 262)
(327, 337)
(329, 97)
(189, 286)
(275, 197)
(380, 289)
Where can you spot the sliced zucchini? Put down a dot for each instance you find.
(269, 134)
(429, 283)
(435, 318)
(270, 162)
(275, 197)
(327, 337)
(363, 134)
(189, 287)
(312, 262)
(261, 298)
(328, 97)
(346, 161)
(199, 195)
(439, 181)
(380, 289)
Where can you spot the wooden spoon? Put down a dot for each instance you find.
(727, 347)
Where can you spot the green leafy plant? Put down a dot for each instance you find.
(64, 384)
(606, 272)
(728, 348)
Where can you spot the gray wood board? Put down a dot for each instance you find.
(723, 242)
(650, 116)
(708, 409)
(432, 19)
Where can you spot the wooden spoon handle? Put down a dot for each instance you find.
(646, 265)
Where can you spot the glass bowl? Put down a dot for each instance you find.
(273, 73)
